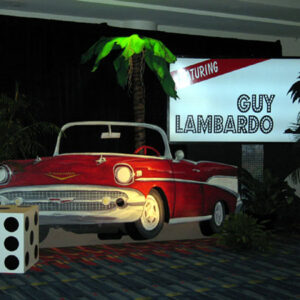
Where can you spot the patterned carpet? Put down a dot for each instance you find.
(190, 269)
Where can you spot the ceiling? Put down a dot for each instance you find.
(278, 18)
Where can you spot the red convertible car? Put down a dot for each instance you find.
(97, 178)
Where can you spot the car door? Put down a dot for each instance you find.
(188, 189)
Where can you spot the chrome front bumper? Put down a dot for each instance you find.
(78, 204)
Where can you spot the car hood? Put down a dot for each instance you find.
(67, 169)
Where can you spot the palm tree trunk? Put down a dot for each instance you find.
(138, 93)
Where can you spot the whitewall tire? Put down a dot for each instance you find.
(214, 225)
(152, 220)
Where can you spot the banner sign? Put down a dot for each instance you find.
(234, 100)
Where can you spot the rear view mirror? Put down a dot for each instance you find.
(110, 135)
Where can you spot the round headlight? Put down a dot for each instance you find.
(123, 174)
(4, 174)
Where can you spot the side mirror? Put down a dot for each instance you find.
(179, 155)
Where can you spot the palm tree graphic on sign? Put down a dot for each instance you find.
(295, 90)
(295, 95)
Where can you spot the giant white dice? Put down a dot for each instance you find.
(19, 238)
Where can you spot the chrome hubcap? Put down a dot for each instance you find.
(219, 214)
(150, 216)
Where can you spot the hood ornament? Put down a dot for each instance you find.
(101, 160)
(62, 175)
(37, 160)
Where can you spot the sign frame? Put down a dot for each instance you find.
(266, 98)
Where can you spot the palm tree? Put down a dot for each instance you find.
(295, 91)
(129, 67)
(20, 130)
(295, 95)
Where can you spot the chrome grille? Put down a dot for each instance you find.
(89, 200)
(72, 206)
(77, 195)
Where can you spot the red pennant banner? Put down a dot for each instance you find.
(209, 69)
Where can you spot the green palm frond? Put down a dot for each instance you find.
(100, 49)
(157, 57)
(121, 66)
(161, 69)
(160, 50)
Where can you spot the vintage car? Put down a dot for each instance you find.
(96, 178)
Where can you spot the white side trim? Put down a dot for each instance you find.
(220, 186)
(114, 154)
(189, 219)
(169, 179)
(219, 163)
(227, 182)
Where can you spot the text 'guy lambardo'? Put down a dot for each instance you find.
(232, 124)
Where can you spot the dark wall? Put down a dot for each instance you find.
(44, 57)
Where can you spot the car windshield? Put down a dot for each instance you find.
(108, 139)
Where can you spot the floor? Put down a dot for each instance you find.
(61, 238)
(180, 269)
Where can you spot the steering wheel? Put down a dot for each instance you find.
(144, 147)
